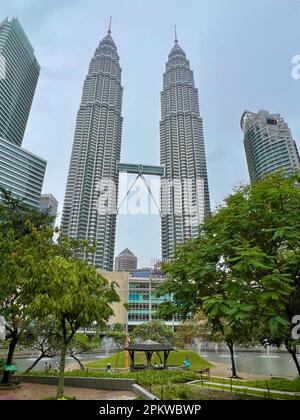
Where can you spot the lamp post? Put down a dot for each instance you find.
(126, 364)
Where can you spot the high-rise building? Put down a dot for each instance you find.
(49, 202)
(269, 144)
(184, 191)
(92, 188)
(126, 261)
(19, 75)
(21, 172)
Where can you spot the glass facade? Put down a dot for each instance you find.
(185, 201)
(20, 73)
(49, 202)
(96, 152)
(269, 145)
(21, 172)
(142, 300)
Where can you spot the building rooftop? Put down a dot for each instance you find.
(126, 251)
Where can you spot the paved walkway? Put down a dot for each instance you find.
(223, 370)
(41, 392)
(248, 388)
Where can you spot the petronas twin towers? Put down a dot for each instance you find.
(90, 207)
(96, 151)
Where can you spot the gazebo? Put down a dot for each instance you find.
(148, 347)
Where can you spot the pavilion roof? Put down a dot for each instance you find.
(149, 345)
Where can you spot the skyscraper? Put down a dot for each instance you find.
(49, 202)
(184, 191)
(91, 195)
(21, 172)
(20, 72)
(126, 261)
(269, 144)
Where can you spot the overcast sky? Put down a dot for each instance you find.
(240, 52)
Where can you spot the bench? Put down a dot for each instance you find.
(11, 369)
(138, 367)
(206, 370)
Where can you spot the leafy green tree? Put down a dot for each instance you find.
(82, 343)
(76, 295)
(42, 336)
(26, 246)
(18, 216)
(154, 330)
(243, 269)
(21, 260)
(23, 230)
(230, 322)
(187, 332)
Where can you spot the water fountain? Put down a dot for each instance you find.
(198, 345)
(107, 344)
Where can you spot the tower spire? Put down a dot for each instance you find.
(176, 39)
(109, 28)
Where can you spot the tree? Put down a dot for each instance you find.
(21, 260)
(43, 337)
(154, 330)
(230, 322)
(26, 250)
(81, 343)
(76, 295)
(187, 332)
(24, 233)
(243, 269)
(18, 216)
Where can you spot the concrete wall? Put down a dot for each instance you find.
(122, 279)
(141, 392)
(113, 384)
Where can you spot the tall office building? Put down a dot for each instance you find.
(19, 76)
(126, 261)
(21, 172)
(48, 202)
(92, 188)
(269, 144)
(184, 191)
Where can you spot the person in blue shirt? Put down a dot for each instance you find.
(187, 363)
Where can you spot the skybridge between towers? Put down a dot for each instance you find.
(141, 170)
(133, 168)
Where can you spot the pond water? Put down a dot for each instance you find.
(275, 364)
(24, 363)
(268, 363)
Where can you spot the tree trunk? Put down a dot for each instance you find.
(35, 363)
(77, 360)
(61, 378)
(117, 359)
(293, 352)
(11, 350)
(233, 368)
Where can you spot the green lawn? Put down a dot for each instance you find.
(175, 358)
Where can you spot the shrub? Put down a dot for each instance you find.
(146, 377)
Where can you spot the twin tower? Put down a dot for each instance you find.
(90, 204)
